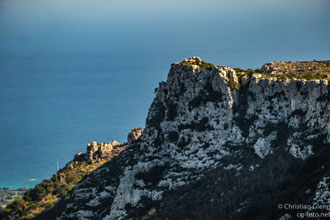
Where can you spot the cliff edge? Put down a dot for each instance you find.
(219, 143)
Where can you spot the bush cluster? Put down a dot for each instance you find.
(48, 191)
(202, 64)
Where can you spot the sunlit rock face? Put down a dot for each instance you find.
(134, 135)
(100, 151)
(217, 138)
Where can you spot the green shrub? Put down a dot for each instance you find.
(259, 71)
(233, 84)
(249, 72)
(72, 177)
(62, 190)
(238, 70)
(202, 64)
(38, 192)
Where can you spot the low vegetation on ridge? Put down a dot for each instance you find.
(283, 76)
(198, 62)
(44, 195)
(320, 73)
(8, 195)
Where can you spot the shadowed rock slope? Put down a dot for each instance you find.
(218, 144)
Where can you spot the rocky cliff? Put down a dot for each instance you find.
(218, 144)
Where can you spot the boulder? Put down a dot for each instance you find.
(99, 151)
(91, 149)
(78, 157)
(134, 135)
(115, 143)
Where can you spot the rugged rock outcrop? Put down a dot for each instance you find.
(134, 135)
(293, 67)
(217, 145)
(100, 151)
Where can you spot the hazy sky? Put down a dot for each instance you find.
(282, 29)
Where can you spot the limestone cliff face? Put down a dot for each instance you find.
(196, 101)
(207, 130)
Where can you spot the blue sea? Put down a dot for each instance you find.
(72, 72)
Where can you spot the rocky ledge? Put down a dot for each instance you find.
(134, 135)
(316, 67)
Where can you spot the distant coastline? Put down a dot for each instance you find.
(7, 195)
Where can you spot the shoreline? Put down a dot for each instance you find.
(7, 195)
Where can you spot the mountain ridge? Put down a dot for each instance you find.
(218, 143)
